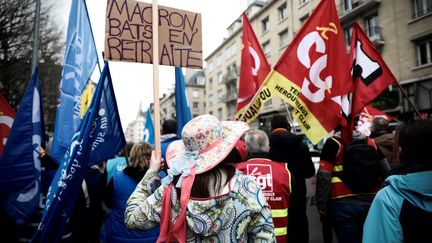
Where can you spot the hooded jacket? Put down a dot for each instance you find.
(240, 215)
(402, 210)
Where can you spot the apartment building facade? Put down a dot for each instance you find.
(400, 30)
(135, 129)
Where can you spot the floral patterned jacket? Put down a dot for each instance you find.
(241, 215)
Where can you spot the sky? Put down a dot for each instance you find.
(133, 82)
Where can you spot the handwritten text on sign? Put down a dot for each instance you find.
(128, 34)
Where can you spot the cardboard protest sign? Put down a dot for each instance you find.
(128, 34)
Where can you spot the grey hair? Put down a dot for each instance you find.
(257, 142)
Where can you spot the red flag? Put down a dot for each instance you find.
(370, 74)
(7, 116)
(367, 115)
(254, 67)
(311, 75)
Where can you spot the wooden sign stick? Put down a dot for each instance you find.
(155, 24)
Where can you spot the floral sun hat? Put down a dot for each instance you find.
(206, 142)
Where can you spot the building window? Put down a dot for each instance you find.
(303, 18)
(195, 93)
(348, 35)
(220, 94)
(231, 50)
(422, 7)
(283, 12)
(424, 52)
(220, 113)
(210, 82)
(347, 5)
(210, 100)
(372, 27)
(219, 60)
(200, 80)
(266, 48)
(195, 105)
(265, 24)
(210, 66)
(283, 37)
(220, 77)
(268, 104)
(301, 2)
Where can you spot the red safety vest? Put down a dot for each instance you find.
(275, 180)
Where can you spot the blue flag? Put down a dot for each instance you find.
(100, 137)
(149, 129)
(183, 113)
(20, 164)
(80, 60)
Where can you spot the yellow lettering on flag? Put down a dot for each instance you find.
(278, 85)
(86, 98)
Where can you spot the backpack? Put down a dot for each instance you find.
(360, 167)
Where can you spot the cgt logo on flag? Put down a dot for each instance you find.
(316, 39)
(262, 174)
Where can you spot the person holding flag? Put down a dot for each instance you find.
(347, 206)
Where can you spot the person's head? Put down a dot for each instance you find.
(414, 140)
(279, 121)
(125, 152)
(207, 145)
(380, 125)
(169, 126)
(257, 142)
(140, 156)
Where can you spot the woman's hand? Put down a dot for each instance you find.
(155, 161)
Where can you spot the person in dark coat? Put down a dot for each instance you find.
(384, 139)
(288, 147)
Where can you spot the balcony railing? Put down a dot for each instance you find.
(357, 7)
(229, 97)
(230, 76)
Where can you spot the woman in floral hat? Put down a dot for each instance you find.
(203, 197)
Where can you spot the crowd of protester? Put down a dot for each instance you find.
(222, 181)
